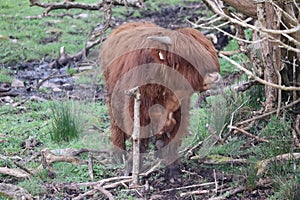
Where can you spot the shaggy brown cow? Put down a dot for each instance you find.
(168, 66)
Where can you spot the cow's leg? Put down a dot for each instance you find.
(118, 138)
(168, 143)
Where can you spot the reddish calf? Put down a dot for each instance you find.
(168, 66)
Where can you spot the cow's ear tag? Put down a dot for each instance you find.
(161, 56)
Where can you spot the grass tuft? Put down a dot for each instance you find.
(66, 122)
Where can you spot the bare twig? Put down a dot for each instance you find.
(90, 166)
(152, 169)
(51, 76)
(216, 182)
(269, 113)
(262, 81)
(76, 5)
(216, 8)
(214, 5)
(10, 191)
(282, 158)
(184, 194)
(192, 150)
(14, 172)
(86, 194)
(189, 186)
(296, 131)
(246, 133)
(217, 159)
(104, 191)
(295, 137)
(231, 191)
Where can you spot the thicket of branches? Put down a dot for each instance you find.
(274, 51)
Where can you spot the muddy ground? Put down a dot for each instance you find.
(30, 74)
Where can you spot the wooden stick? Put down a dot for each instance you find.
(14, 172)
(189, 186)
(269, 113)
(262, 81)
(296, 131)
(104, 191)
(184, 194)
(284, 157)
(135, 92)
(247, 133)
(90, 166)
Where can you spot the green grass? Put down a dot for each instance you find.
(66, 124)
(34, 120)
(41, 38)
(5, 75)
(35, 39)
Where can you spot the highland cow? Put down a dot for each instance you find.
(168, 66)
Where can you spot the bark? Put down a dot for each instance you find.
(270, 52)
(247, 7)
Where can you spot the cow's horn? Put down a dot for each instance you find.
(215, 77)
(162, 39)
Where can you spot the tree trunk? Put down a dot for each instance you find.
(269, 18)
(247, 7)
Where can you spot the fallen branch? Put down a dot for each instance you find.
(51, 158)
(9, 191)
(105, 192)
(282, 158)
(51, 76)
(246, 133)
(11, 94)
(268, 113)
(14, 172)
(229, 192)
(48, 158)
(184, 194)
(152, 169)
(107, 183)
(75, 152)
(93, 191)
(188, 187)
(76, 5)
(217, 159)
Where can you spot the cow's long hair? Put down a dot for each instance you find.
(168, 66)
